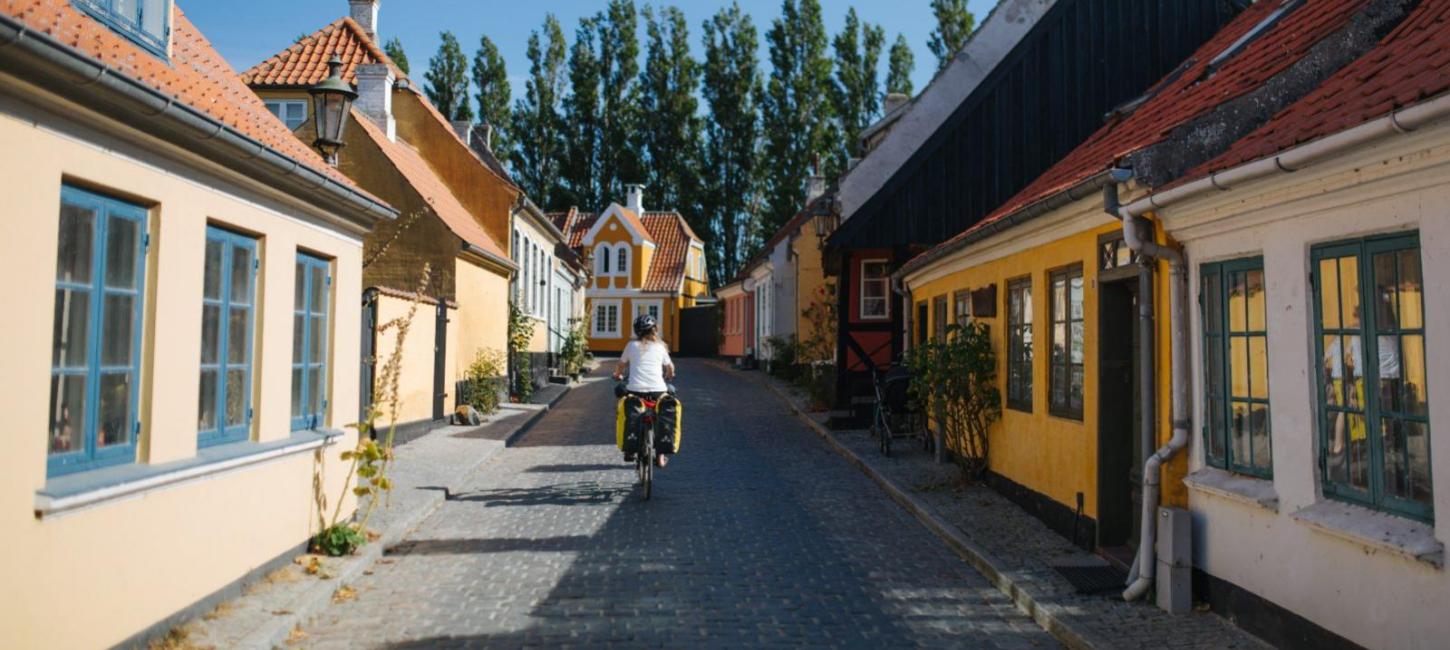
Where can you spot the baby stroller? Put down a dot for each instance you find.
(895, 415)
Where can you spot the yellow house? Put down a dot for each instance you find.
(187, 357)
(642, 262)
(456, 213)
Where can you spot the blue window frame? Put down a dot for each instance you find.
(1236, 366)
(228, 316)
(1374, 417)
(145, 22)
(96, 351)
(309, 342)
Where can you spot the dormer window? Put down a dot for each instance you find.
(601, 255)
(621, 260)
(292, 112)
(145, 22)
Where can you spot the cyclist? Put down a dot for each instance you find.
(646, 361)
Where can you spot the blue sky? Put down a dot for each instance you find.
(248, 35)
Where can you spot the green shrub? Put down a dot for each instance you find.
(955, 383)
(487, 378)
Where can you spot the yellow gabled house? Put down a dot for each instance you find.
(642, 262)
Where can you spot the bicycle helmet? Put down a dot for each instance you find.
(644, 325)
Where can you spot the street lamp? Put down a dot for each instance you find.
(331, 102)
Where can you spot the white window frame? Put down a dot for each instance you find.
(281, 106)
(596, 328)
(603, 257)
(861, 292)
(659, 306)
(622, 252)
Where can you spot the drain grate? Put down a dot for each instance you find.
(1093, 579)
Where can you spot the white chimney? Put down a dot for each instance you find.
(815, 187)
(893, 102)
(634, 198)
(464, 129)
(365, 13)
(375, 96)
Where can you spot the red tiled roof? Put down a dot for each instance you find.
(304, 63)
(672, 247)
(574, 224)
(195, 75)
(1410, 64)
(1190, 94)
(421, 177)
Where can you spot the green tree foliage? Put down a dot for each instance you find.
(731, 90)
(394, 50)
(953, 25)
(857, 93)
(671, 134)
(491, 79)
(447, 78)
(583, 129)
(536, 117)
(955, 381)
(620, 162)
(899, 67)
(796, 109)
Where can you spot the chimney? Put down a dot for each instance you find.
(485, 133)
(893, 102)
(634, 198)
(375, 96)
(464, 129)
(365, 13)
(815, 187)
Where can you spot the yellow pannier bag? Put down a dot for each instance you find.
(670, 425)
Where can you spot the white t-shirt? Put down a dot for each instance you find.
(647, 363)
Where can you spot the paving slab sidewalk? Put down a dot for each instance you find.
(1013, 549)
(423, 473)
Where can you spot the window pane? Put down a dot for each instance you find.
(1059, 299)
(1027, 304)
(297, 392)
(67, 413)
(1239, 366)
(116, 337)
(211, 282)
(1411, 290)
(210, 333)
(1337, 447)
(1414, 396)
(1386, 310)
(299, 336)
(122, 249)
(206, 413)
(1075, 389)
(1358, 451)
(1258, 367)
(1217, 432)
(114, 422)
(1059, 388)
(238, 331)
(1417, 448)
(1238, 312)
(299, 295)
(153, 18)
(314, 390)
(1354, 397)
(1077, 343)
(74, 253)
(128, 9)
(317, 340)
(242, 273)
(1259, 435)
(71, 334)
(1333, 371)
(1075, 297)
(236, 397)
(1254, 285)
(1349, 291)
(319, 289)
(1329, 293)
(1059, 343)
(1239, 433)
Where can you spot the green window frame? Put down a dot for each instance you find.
(1237, 423)
(96, 344)
(144, 22)
(310, 335)
(228, 318)
(939, 318)
(1019, 344)
(1065, 367)
(1374, 425)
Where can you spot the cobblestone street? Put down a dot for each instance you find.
(757, 535)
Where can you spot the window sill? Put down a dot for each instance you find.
(1375, 530)
(1248, 490)
(75, 491)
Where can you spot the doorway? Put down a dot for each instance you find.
(440, 359)
(1120, 446)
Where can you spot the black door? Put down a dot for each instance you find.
(698, 327)
(440, 357)
(1120, 453)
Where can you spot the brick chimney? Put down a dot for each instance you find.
(365, 12)
(375, 96)
(634, 198)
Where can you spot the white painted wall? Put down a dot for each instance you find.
(1365, 593)
(783, 290)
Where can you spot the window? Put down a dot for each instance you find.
(145, 22)
(1065, 368)
(96, 351)
(874, 303)
(921, 324)
(1019, 344)
(961, 306)
(621, 260)
(292, 112)
(652, 308)
(601, 259)
(1374, 417)
(939, 317)
(224, 413)
(1236, 367)
(309, 342)
(606, 319)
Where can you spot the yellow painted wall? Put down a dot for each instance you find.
(93, 577)
(415, 380)
(1053, 455)
(481, 321)
(810, 278)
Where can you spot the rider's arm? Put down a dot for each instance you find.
(620, 369)
(669, 367)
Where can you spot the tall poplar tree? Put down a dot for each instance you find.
(619, 102)
(491, 79)
(583, 129)
(731, 88)
(537, 121)
(671, 130)
(447, 78)
(394, 49)
(953, 25)
(857, 93)
(796, 109)
(899, 68)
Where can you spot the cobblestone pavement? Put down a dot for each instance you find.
(757, 536)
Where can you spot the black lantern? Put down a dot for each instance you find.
(331, 102)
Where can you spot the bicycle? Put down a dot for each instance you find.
(647, 458)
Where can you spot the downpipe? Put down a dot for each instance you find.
(1145, 564)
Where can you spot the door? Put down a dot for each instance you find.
(440, 357)
(1120, 449)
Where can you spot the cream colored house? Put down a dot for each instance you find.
(187, 355)
(549, 287)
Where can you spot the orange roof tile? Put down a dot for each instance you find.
(304, 63)
(672, 246)
(421, 177)
(195, 75)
